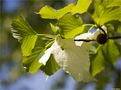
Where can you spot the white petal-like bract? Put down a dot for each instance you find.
(46, 56)
(82, 36)
(72, 58)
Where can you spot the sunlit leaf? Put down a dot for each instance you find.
(31, 61)
(81, 6)
(21, 28)
(70, 25)
(28, 44)
(35, 66)
(109, 15)
(114, 3)
(103, 13)
(48, 12)
(75, 32)
(53, 28)
(108, 3)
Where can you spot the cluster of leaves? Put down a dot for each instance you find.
(70, 24)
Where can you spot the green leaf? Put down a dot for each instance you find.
(97, 63)
(119, 30)
(75, 32)
(111, 3)
(28, 44)
(70, 24)
(51, 66)
(31, 61)
(20, 28)
(109, 15)
(104, 13)
(81, 6)
(119, 34)
(111, 51)
(53, 28)
(114, 3)
(48, 12)
(108, 54)
(108, 3)
(35, 66)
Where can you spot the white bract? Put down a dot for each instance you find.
(72, 56)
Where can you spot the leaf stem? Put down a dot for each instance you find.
(47, 35)
(88, 25)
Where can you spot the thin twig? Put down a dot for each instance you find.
(102, 30)
(84, 40)
(116, 37)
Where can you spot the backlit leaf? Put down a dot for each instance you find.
(21, 28)
(81, 6)
(53, 28)
(70, 25)
(28, 44)
(114, 3)
(48, 12)
(35, 66)
(104, 13)
(75, 32)
(31, 61)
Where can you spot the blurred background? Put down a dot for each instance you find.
(12, 74)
